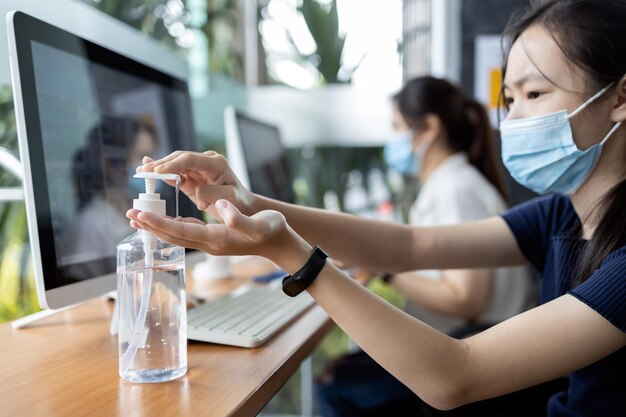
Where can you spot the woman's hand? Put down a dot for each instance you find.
(205, 178)
(265, 234)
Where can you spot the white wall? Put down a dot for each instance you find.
(333, 115)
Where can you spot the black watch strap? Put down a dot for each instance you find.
(300, 281)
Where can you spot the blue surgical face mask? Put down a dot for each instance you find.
(401, 157)
(540, 152)
(399, 153)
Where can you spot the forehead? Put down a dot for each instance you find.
(536, 55)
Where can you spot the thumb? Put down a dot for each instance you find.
(233, 219)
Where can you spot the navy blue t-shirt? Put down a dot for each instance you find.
(544, 229)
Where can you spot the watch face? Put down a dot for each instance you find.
(292, 286)
(298, 282)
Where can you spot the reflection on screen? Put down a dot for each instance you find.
(97, 123)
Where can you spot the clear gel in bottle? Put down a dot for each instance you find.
(151, 296)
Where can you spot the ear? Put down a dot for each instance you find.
(430, 127)
(618, 112)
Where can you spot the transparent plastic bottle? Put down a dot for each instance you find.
(152, 326)
(152, 307)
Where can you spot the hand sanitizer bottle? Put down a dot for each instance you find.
(151, 297)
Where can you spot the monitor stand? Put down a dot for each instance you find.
(27, 321)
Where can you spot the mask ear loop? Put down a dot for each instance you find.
(613, 129)
(588, 102)
(608, 135)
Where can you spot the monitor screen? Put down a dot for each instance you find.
(265, 158)
(90, 116)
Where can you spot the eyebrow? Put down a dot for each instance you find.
(532, 76)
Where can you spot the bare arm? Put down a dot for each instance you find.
(352, 240)
(536, 346)
(529, 349)
(461, 293)
(397, 248)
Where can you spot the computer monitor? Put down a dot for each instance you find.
(86, 115)
(257, 155)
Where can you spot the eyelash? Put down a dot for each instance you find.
(531, 95)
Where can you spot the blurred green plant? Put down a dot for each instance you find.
(142, 15)
(221, 28)
(18, 296)
(8, 131)
(322, 20)
(170, 22)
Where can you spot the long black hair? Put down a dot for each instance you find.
(464, 120)
(591, 34)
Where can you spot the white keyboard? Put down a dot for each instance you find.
(247, 317)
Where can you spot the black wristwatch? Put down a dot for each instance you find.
(300, 281)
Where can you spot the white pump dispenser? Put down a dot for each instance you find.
(150, 200)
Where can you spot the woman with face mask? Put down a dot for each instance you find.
(445, 139)
(562, 135)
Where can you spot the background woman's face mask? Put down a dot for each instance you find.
(401, 157)
(540, 152)
(399, 153)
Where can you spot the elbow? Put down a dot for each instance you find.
(445, 396)
(469, 292)
(450, 386)
(467, 306)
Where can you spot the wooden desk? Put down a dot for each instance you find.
(67, 365)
